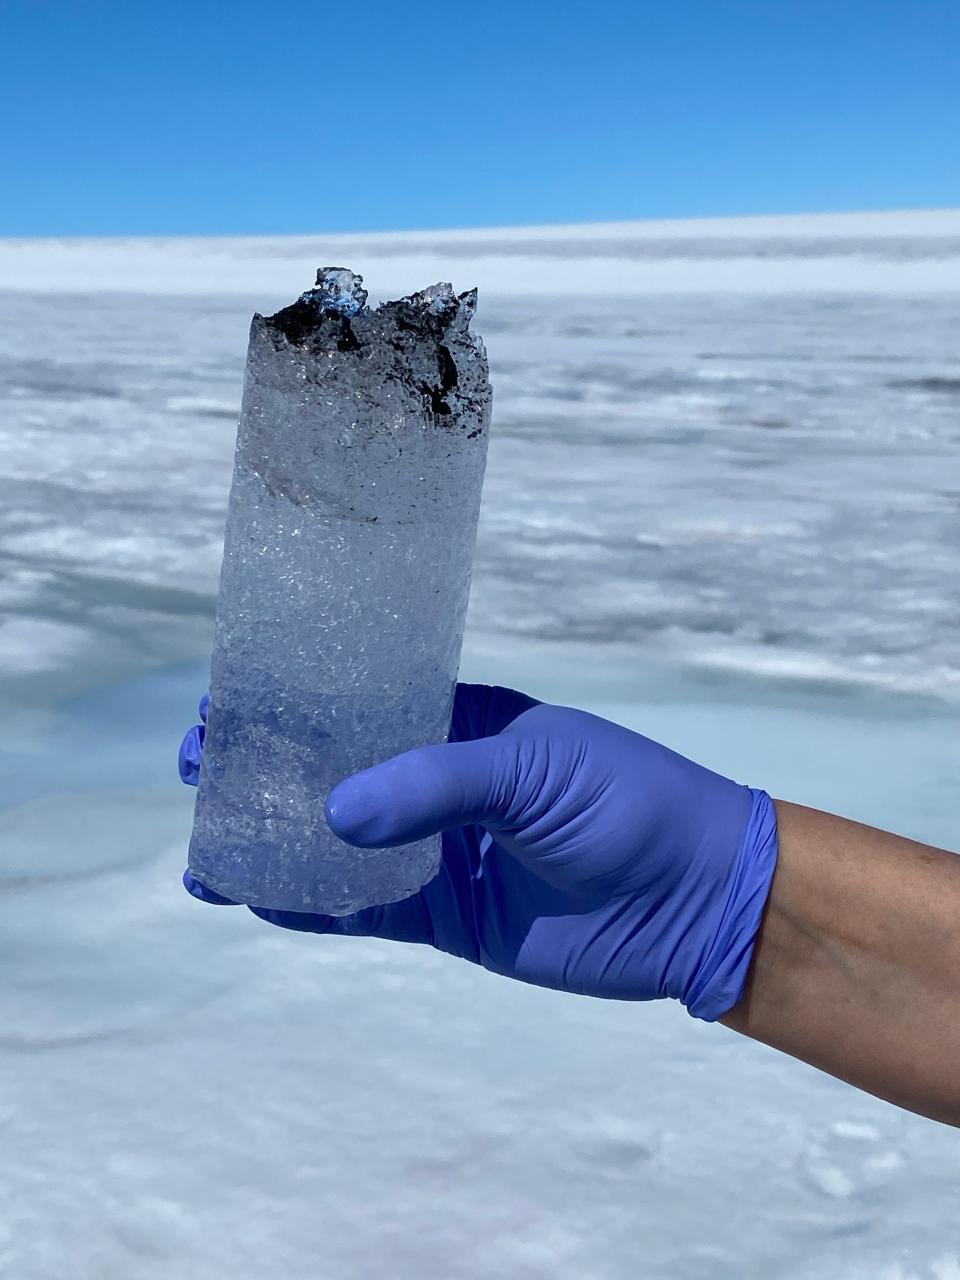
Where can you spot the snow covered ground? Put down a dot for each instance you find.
(916, 251)
(725, 514)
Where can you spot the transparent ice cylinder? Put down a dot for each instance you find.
(346, 569)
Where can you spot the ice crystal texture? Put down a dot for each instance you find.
(346, 569)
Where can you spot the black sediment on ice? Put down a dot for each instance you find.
(422, 341)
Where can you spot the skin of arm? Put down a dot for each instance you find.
(857, 964)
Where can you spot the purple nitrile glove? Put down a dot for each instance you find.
(577, 854)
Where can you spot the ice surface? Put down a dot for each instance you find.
(346, 570)
(646, 452)
(185, 1092)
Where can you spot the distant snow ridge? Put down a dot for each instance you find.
(899, 252)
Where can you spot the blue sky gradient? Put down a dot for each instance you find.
(196, 117)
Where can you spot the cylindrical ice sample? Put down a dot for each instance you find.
(346, 569)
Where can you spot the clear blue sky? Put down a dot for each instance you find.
(188, 116)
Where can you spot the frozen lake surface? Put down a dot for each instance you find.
(729, 519)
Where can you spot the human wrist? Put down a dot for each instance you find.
(720, 979)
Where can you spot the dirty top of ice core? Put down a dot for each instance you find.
(338, 296)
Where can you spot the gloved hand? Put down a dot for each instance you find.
(576, 854)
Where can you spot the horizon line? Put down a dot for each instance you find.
(758, 221)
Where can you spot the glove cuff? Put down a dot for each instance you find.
(721, 977)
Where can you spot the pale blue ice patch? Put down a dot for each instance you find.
(338, 291)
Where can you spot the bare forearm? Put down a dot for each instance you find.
(857, 966)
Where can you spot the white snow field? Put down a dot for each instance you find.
(721, 506)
